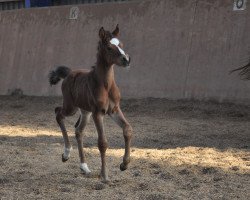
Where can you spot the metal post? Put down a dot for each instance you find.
(27, 3)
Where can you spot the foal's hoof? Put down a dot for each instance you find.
(105, 181)
(57, 109)
(88, 174)
(123, 167)
(64, 159)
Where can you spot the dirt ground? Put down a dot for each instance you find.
(181, 150)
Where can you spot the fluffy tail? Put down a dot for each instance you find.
(59, 73)
(244, 71)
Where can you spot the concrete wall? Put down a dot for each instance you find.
(179, 49)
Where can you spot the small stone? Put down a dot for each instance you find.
(157, 172)
(184, 172)
(99, 186)
(216, 179)
(166, 176)
(154, 165)
(137, 173)
(143, 186)
(154, 196)
(209, 170)
(4, 180)
(235, 168)
(67, 190)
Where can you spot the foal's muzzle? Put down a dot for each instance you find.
(126, 60)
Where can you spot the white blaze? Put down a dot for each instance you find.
(116, 42)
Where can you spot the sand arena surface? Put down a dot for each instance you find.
(181, 150)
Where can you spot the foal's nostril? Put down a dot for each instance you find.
(124, 60)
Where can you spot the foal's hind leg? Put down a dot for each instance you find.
(80, 126)
(119, 118)
(60, 115)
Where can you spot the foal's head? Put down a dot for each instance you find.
(111, 49)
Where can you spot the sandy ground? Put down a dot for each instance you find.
(181, 150)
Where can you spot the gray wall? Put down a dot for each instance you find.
(179, 49)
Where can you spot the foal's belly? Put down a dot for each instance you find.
(84, 104)
(108, 107)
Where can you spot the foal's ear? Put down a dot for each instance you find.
(102, 33)
(116, 31)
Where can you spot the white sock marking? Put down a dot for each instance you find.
(66, 153)
(85, 168)
(116, 42)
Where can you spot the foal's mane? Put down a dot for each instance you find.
(100, 47)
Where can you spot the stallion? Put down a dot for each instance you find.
(94, 92)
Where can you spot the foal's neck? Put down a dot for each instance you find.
(104, 73)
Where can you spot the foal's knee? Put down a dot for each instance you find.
(102, 145)
(57, 110)
(78, 131)
(127, 131)
(78, 122)
(58, 113)
(78, 136)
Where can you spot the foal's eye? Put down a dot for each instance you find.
(109, 49)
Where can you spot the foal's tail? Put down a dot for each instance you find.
(59, 73)
(244, 72)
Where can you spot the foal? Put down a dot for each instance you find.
(95, 93)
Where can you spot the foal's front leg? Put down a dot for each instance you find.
(119, 118)
(102, 144)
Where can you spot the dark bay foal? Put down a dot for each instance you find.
(94, 92)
